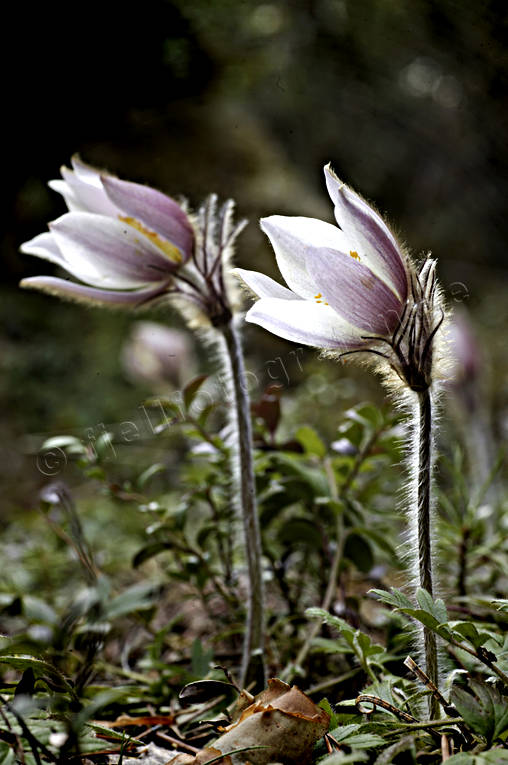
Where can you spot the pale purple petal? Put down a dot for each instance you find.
(304, 322)
(355, 292)
(106, 252)
(72, 291)
(368, 235)
(293, 238)
(44, 246)
(154, 209)
(263, 286)
(84, 192)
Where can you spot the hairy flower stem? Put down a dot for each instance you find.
(253, 669)
(424, 469)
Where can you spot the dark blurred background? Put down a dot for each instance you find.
(408, 100)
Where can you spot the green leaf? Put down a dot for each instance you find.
(205, 414)
(325, 704)
(435, 607)
(351, 735)
(333, 621)
(406, 744)
(468, 631)
(41, 669)
(325, 645)
(344, 731)
(37, 610)
(312, 481)
(191, 389)
(494, 756)
(462, 758)
(300, 531)
(340, 758)
(89, 743)
(393, 598)
(149, 551)
(478, 715)
(139, 597)
(366, 646)
(310, 441)
(422, 616)
(7, 756)
(364, 741)
(428, 620)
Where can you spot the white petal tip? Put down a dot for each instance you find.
(273, 222)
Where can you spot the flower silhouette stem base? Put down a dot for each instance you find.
(253, 668)
(424, 481)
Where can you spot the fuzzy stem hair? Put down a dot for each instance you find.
(423, 478)
(253, 669)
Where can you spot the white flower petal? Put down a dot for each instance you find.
(86, 173)
(84, 192)
(63, 188)
(44, 246)
(368, 235)
(106, 252)
(304, 322)
(293, 239)
(263, 286)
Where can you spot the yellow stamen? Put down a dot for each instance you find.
(172, 252)
(319, 301)
(354, 255)
(318, 296)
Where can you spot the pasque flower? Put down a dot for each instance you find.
(129, 244)
(351, 288)
(123, 241)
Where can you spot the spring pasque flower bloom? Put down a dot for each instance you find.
(130, 245)
(343, 282)
(351, 288)
(122, 240)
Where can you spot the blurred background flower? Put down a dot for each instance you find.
(407, 100)
(468, 385)
(157, 357)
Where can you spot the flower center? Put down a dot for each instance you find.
(319, 299)
(172, 252)
(354, 255)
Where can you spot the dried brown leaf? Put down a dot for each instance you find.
(281, 719)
